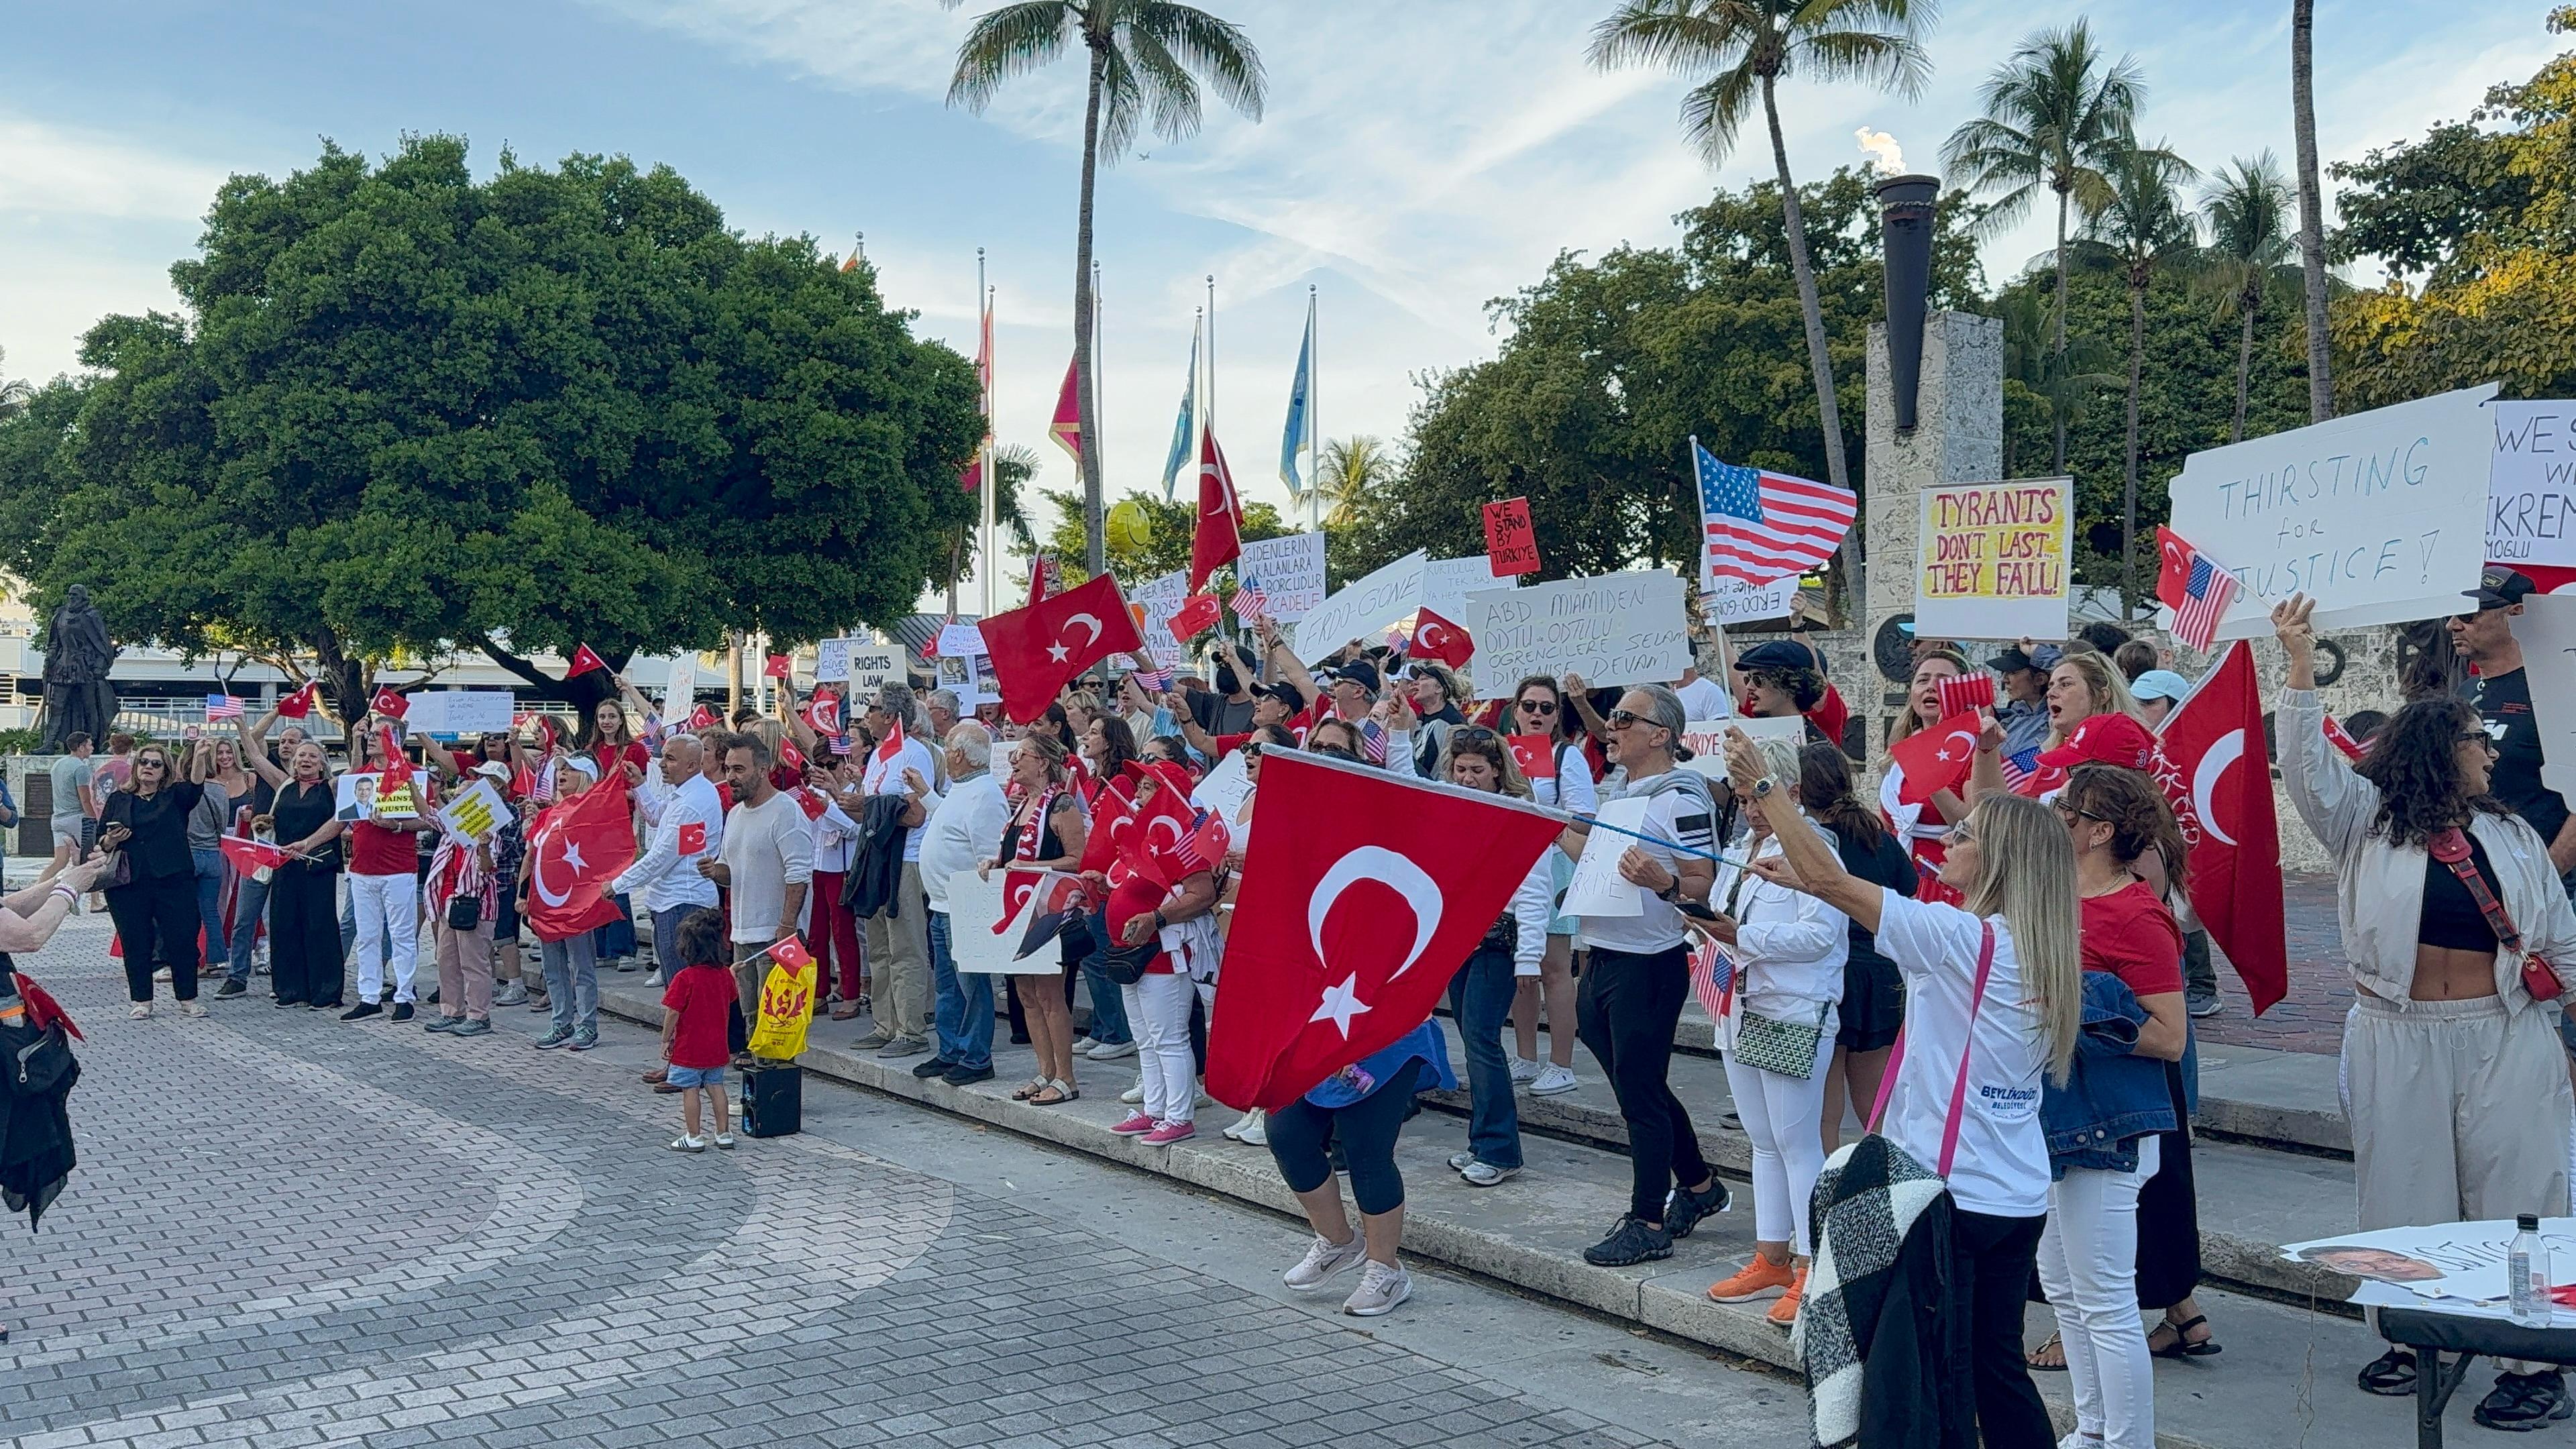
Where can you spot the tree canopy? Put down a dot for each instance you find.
(1168, 536)
(406, 409)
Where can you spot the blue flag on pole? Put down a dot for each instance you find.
(1185, 428)
(1301, 390)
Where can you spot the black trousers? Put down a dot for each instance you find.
(1366, 1129)
(304, 959)
(1625, 1009)
(157, 923)
(1991, 1260)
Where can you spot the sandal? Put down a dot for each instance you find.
(2183, 1346)
(1053, 1094)
(2391, 1375)
(1034, 1086)
(2032, 1358)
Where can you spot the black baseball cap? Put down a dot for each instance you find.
(2502, 588)
(1359, 672)
(1777, 654)
(2012, 661)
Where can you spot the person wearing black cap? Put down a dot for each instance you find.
(1781, 679)
(2024, 712)
(2502, 693)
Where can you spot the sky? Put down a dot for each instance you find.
(1415, 160)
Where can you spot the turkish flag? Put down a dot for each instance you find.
(790, 756)
(1194, 617)
(892, 744)
(2173, 568)
(791, 953)
(1036, 649)
(824, 714)
(779, 667)
(583, 662)
(1355, 911)
(702, 718)
(577, 848)
(1111, 806)
(297, 705)
(248, 856)
(1156, 839)
(1535, 754)
(1442, 640)
(693, 837)
(2212, 768)
(1219, 539)
(1936, 759)
(389, 703)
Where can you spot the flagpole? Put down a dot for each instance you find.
(1314, 419)
(1209, 414)
(1099, 409)
(985, 563)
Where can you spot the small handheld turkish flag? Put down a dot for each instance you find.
(1442, 640)
(791, 953)
(297, 705)
(824, 713)
(693, 837)
(388, 703)
(248, 856)
(1036, 649)
(1935, 759)
(583, 662)
(1535, 754)
(779, 667)
(702, 718)
(1194, 617)
(791, 756)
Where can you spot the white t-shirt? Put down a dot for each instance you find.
(1704, 699)
(2002, 1165)
(1677, 808)
(885, 777)
(1571, 788)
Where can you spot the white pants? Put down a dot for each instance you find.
(2088, 1264)
(1158, 1011)
(386, 904)
(1785, 1118)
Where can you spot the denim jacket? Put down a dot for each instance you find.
(2110, 1098)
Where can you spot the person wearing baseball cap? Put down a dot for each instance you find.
(2024, 712)
(2483, 638)
(2158, 692)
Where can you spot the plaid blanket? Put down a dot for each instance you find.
(1871, 1335)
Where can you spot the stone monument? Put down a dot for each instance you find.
(78, 655)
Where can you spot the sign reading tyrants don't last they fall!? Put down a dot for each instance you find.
(1991, 559)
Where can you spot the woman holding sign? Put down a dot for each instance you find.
(464, 900)
(1046, 832)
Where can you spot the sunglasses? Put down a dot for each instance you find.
(1474, 735)
(1620, 719)
(1538, 706)
(2481, 739)
(1960, 834)
(2071, 812)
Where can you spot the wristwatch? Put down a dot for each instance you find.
(1763, 787)
(1671, 894)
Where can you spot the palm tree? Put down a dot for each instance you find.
(2312, 207)
(1148, 60)
(14, 393)
(1751, 45)
(2142, 228)
(1346, 472)
(2056, 116)
(2064, 381)
(1014, 465)
(2247, 210)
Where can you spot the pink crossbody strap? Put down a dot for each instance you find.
(1959, 1087)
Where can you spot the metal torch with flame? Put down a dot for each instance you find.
(1905, 206)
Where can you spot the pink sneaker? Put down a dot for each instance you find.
(1136, 1125)
(1171, 1132)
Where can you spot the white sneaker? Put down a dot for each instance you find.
(161, 975)
(1381, 1288)
(141, 1010)
(1325, 1259)
(1253, 1130)
(725, 1141)
(1202, 1099)
(1524, 1071)
(1458, 1161)
(688, 1144)
(1236, 1128)
(1134, 1095)
(653, 977)
(1111, 1051)
(1553, 1080)
(514, 993)
(1486, 1174)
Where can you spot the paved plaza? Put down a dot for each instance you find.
(289, 1231)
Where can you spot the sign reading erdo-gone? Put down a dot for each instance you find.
(1992, 559)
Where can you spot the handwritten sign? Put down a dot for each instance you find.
(474, 815)
(1361, 610)
(680, 684)
(1225, 786)
(2366, 514)
(1511, 545)
(1446, 583)
(1706, 738)
(1628, 628)
(1991, 559)
(2531, 488)
(831, 661)
(1290, 571)
(452, 713)
(960, 639)
(1597, 888)
(1733, 601)
(1161, 598)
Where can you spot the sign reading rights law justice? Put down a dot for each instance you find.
(1991, 560)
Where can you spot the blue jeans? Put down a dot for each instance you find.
(572, 983)
(250, 903)
(1108, 1008)
(210, 900)
(616, 940)
(964, 1013)
(1479, 996)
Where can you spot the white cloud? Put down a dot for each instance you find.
(47, 168)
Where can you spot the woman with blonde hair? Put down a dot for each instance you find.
(1996, 984)
(2092, 716)
(1922, 826)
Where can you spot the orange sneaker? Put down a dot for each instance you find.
(1784, 1313)
(1752, 1281)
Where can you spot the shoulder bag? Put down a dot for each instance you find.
(1782, 1048)
(2451, 848)
(1959, 1086)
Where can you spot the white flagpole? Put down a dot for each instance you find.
(1099, 409)
(1314, 420)
(985, 562)
(1210, 413)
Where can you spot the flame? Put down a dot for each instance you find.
(1890, 160)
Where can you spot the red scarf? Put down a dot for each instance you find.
(1033, 829)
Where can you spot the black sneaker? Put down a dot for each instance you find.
(2201, 1004)
(231, 989)
(967, 1076)
(935, 1067)
(362, 1011)
(2391, 1375)
(402, 1011)
(1684, 1209)
(1631, 1242)
(2520, 1403)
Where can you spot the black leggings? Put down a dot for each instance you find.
(1990, 1260)
(1625, 1008)
(157, 923)
(305, 963)
(1366, 1129)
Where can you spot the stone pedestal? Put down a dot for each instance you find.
(1958, 438)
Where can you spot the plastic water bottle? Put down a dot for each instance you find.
(2526, 1271)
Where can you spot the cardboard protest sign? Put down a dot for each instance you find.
(960, 639)
(2445, 1267)
(1511, 544)
(475, 814)
(1360, 610)
(1727, 601)
(1706, 738)
(970, 676)
(2546, 630)
(1446, 583)
(1159, 599)
(1225, 786)
(680, 684)
(2531, 484)
(1597, 888)
(1290, 571)
(975, 907)
(2367, 514)
(1625, 628)
(832, 660)
(454, 713)
(1991, 560)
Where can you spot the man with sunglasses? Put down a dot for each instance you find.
(2502, 693)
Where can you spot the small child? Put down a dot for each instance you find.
(694, 1008)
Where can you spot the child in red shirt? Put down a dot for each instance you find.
(693, 1026)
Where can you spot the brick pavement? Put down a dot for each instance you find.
(288, 1231)
(2310, 1017)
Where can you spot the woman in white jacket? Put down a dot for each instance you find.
(2453, 1078)
(1789, 950)
(1481, 993)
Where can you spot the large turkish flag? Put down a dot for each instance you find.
(2212, 768)
(577, 848)
(1219, 539)
(1036, 649)
(1355, 910)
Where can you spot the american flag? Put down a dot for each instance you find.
(222, 706)
(1154, 681)
(1250, 603)
(1763, 526)
(1373, 741)
(2018, 768)
(1712, 977)
(541, 791)
(2197, 590)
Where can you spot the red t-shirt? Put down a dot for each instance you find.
(2130, 934)
(381, 850)
(701, 994)
(611, 758)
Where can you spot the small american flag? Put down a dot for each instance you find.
(222, 706)
(1761, 526)
(1373, 741)
(2197, 590)
(1250, 603)
(2018, 768)
(1154, 681)
(542, 790)
(1712, 977)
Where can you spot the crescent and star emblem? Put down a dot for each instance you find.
(1957, 735)
(1398, 874)
(2204, 779)
(571, 857)
(1058, 651)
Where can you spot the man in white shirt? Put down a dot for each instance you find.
(965, 830)
(1703, 698)
(767, 861)
(664, 879)
(898, 943)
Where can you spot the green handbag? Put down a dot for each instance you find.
(1782, 1048)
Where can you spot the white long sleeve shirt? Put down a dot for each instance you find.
(964, 831)
(667, 878)
(1533, 905)
(1791, 945)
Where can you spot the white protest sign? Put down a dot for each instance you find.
(1991, 559)
(2546, 630)
(2445, 1267)
(1446, 583)
(1290, 571)
(960, 639)
(474, 815)
(2531, 488)
(2366, 514)
(1627, 628)
(1362, 610)
(832, 660)
(865, 666)
(1706, 738)
(974, 905)
(1597, 888)
(964, 675)
(452, 712)
(1225, 786)
(1733, 601)
(680, 685)
(1161, 598)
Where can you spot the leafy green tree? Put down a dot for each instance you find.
(1347, 470)
(2058, 114)
(1169, 528)
(2249, 261)
(2143, 227)
(409, 410)
(2057, 387)
(1751, 45)
(1014, 465)
(1147, 61)
(14, 392)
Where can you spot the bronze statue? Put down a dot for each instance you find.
(78, 654)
